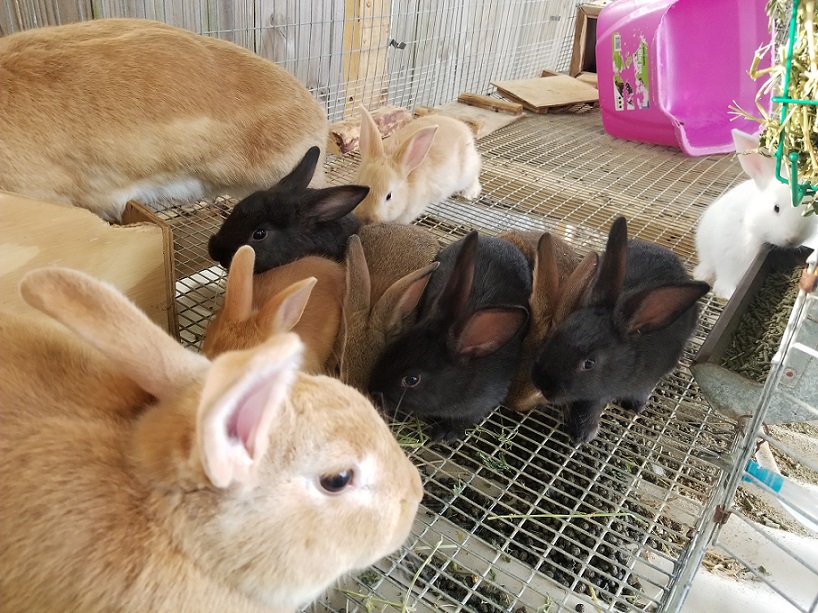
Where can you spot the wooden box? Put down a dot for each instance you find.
(583, 56)
(136, 257)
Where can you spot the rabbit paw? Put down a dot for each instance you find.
(637, 405)
(472, 191)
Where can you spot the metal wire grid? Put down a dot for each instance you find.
(796, 582)
(402, 52)
(480, 541)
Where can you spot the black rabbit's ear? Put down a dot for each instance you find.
(487, 330)
(451, 302)
(611, 270)
(653, 309)
(301, 175)
(331, 203)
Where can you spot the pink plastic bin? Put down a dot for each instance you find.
(669, 69)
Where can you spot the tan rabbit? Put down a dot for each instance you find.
(101, 112)
(559, 282)
(432, 158)
(136, 475)
(304, 296)
(371, 317)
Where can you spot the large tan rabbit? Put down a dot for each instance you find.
(559, 281)
(100, 112)
(136, 475)
(432, 158)
(304, 296)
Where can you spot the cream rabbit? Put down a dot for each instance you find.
(138, 476)
(104, 111)
(432, 158)
(304, 296)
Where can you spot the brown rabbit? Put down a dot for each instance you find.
(304, 296)
(373, 316)
(559, 281)
(136, 475)
(101, 112)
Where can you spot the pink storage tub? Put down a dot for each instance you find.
(669, 69)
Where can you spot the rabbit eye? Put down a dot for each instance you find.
(410, 381)
(337, 482)
(777, 208)
(389, 196)
(259, 234)
(587, 365)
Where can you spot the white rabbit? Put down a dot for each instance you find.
(734, 227)
(432, 158)
(138, 476)
(100, 112)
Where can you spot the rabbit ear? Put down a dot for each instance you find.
(283, 311)
(653, 309)
(369, 142)
(759, 168)
(400, 300)
(451, 302)
(413, 151)
(545, 279)
(487, 330)
(242, 395)
(97, 312)
(301, 175)
(238, 299)
(331, 203)
(575, 287)
(611, 271)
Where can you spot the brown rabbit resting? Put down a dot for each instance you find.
(100, 112)
(304, 296)
(138, 476)
(560, 279)
(373, 317)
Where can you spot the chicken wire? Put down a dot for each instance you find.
(515, 518)
(359, 52)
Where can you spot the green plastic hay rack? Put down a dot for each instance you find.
(799, 190)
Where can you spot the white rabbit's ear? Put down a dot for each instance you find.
(760, 168)
(98, 313)
(241, 399)
(413, 151)
(369, 143)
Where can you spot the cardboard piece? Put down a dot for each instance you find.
(482, 121)
(137, 258)
(539, 94)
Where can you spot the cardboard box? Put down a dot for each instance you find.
(136, 257)
(583, 56)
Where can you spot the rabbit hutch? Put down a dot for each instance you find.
(653, 514)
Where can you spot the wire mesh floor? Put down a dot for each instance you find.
(514, 517)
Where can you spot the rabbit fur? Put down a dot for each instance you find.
(759, 210)
(629, 331)
(100, 112)
(304, 296)
(372, 318)
(431, 159)
(456, 363)
(559, 280)
(290, 220)
(139, 476)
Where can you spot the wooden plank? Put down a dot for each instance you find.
(492, 104)
(588, 77)
(366, 34)
(137, 259)
(482, 122)
(541, 93)
(344, 135)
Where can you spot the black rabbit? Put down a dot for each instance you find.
(456, 363)
(290, 220)
(629, 331)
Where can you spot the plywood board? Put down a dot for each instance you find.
(483, 121)
(137, 258)
(540, 93)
